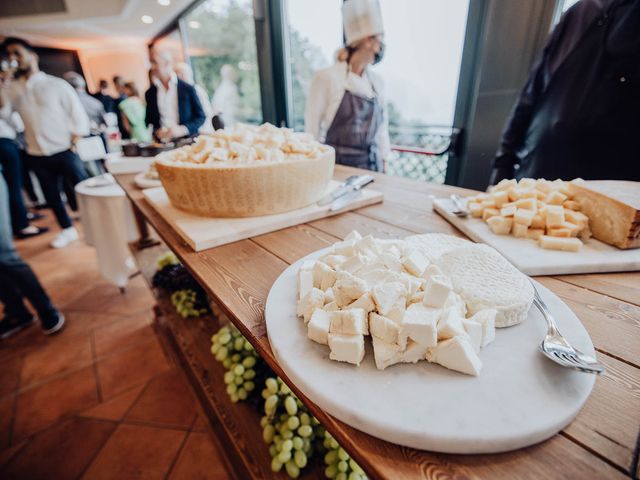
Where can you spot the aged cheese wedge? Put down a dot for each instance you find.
(613, 208)
(485, 279)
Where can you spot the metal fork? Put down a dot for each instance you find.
(556, 347)
(460, 210)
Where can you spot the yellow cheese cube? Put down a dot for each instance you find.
(556, 198)
(555, 243)
(519, 230)
(487, 213)
(573, 228)
(505, 184)
(559, 232)
(566, 190)
(537, 222)
(527, 183)
(540, 195)
(513, 194)
(528, 203)
(524, 216)
(535, 233)
(528, 194)
(500, 225)
(571, 205)
(508, 211)
(488, 203)
(578, 218)
(554, 216)
(500, 198)
(542, 185)
(475, 209)
(585, 234)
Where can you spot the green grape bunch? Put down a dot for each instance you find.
(188, 304)
(338, 464)
(244, 367)
(168, 258)
(287, 428)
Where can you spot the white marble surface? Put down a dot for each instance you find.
(529, 258)
(519, 399)
(208, 232)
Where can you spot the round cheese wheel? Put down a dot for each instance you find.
(247, 190)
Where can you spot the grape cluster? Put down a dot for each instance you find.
(243, 365)
(339, 465)
(287, 427)
(168, 258)
(172, 277)
(187, 303)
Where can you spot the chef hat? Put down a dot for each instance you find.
(362, 19)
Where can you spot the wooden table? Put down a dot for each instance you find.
(602, 442)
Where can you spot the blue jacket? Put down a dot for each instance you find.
(190, 111)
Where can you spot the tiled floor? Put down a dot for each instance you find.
(99, 400)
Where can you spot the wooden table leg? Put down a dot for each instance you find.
(145, 239)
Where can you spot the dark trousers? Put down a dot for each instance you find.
(52, 172)
(17, 280)
(12, 171)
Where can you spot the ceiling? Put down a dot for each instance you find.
(86, 23)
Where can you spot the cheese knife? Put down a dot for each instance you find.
(352, 184)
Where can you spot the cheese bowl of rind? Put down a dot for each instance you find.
(246, 171)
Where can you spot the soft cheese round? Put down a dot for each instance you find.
(433, 245)
(485, 279)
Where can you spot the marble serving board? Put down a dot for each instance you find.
(520, 398)
(531, 259)
(202, 233)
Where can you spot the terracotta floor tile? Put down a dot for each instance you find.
(62, 452)
(64, 352)
(44, 405)
(119, 372)
(124, 333)
(115, 408)
(108, 299)
(9, 375)
(201, 424)
(199, 460)
(6, 417)
(79, 322)
(136, 452)
(167, 401)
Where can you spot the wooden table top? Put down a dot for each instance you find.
(602, 442)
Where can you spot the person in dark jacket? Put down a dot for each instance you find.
(108, 102)
(173, 107)
(578, 114)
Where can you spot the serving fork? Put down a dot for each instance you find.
(558, 349)
(460, 209)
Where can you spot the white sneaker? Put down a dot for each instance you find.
(65, 237)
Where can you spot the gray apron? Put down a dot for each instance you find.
(353, 130)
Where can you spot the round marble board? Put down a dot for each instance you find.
(520, 398)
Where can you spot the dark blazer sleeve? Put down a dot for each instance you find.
(191, 113)
(152, 115)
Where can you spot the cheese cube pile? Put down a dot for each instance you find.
(540, 210)
(390, 291)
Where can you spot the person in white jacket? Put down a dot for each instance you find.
(345, 106)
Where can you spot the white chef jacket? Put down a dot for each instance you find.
(51, 112)
(326, 92)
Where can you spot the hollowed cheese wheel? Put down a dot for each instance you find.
(247, 190)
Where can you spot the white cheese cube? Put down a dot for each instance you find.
(413, 353)
(436, 291)
(456, 354)
(450, 324)
(474, 332)
(417, 297)
(391, 261)
(323, 276)
(353, 235)
(318, 326)
(331, 306)
(348, 322)
(308, 265)
(389, 297)
(420, 324)
(334, 261)
(431, 271)
(411, 283)
(385, 353)
(329, 296)
(415, 263)
(305, 282)
(312, 300)
(346, 348)
(385, 329)
(486, 318)
(455, 301)
(365, 302)
(348, 288)
(355, 263)
(346, 248)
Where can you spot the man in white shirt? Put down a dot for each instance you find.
(53, 118)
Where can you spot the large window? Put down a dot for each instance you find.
(221, 45)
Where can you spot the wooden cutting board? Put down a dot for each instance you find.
(202, 233)
(529, 258)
